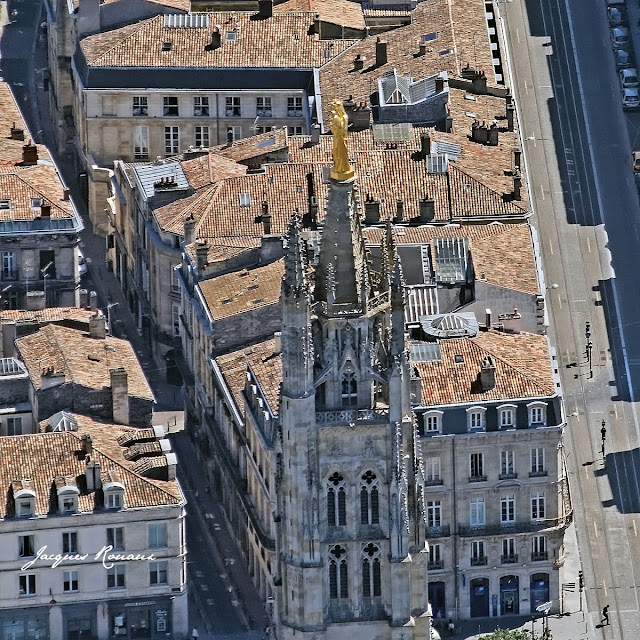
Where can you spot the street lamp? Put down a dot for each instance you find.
(45, 275)
(589, 346)
(603, 433)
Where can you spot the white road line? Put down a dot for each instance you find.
(542, 191)
(588, 245)
(635, 531)
(595, 528)
(604, 586)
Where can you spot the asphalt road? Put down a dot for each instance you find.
(588, 218)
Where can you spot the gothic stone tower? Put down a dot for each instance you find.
(351, 547)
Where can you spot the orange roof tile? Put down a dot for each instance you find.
(341, 12)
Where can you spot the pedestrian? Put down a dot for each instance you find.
(605, 615)
(194, 634)
(451, 627)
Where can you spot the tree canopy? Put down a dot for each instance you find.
(507, 634)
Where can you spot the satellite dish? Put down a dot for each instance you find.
(544, 608)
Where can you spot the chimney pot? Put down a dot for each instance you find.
(277, 343)
(381, 52)
(119, 395)
(487, 374)
(216, 40)
(517, 156)
(97, 326)
(45, 211)
(399, 211)
(359, 61)
(202, 252)
(65, 194)
(439, 84)
(371, 211)
(29, 153)
(189, 229)
(427, 209)
(425, 145)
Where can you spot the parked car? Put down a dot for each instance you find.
(620, 37)
(635, 161)
(630, 98)
(616, 17)
(628, 77)
(623, 58)
(82, 264)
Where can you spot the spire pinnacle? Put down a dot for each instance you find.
(294, 283)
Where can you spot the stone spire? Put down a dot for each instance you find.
(294, 283)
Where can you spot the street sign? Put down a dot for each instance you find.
(544, 608)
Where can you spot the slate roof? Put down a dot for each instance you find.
(244, 290)
(85, 361)
(40, 458)
(523, 369)
(141, 44)
(340, 12)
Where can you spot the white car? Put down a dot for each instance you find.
(619, 37)
(623, 58)
(630, 98)
(628, 78)
(615, 16)
(82, 264)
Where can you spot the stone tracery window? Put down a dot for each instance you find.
(349, 389)
(338, 576)
(336, 501)
(371, 582)
(369, 499)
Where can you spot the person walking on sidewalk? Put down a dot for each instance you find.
(194, 634)
(605, 615)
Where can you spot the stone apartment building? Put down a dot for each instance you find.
(83, 488)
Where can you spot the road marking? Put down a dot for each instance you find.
(542, 192)
(604, 586)
(588, 245)
(526, 90)
(615, 410)
(595, 528)
(518, 34)
(586, 473)
(635, 531)
(550, 243)
(559, 301)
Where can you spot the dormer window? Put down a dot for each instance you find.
(68, 499)
(537, 414)
(433, 421)
(25, 501)
(507, 416)
(475, 418)
(113, 495)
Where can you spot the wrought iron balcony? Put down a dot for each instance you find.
(438, 532)
(538, 557)
(507, 476)
(479, 561)
(508, 528)
(509, 559)
(435, 565)
(477, 478)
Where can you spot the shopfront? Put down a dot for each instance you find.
(140, 619)
(25, 624)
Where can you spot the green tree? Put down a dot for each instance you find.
(507, 634)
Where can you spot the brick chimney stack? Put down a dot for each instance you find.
(119, 395)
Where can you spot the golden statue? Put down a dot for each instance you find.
(342, 170)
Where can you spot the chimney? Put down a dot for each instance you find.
(416, 386)
(425, 145)
(277, 343)
(29, 154)
(487, 318)
(17, 133)
(422, 48)
(316, 25)
(479, 83)
(172, 465)
(84, 298)
(510, 110)
(508, 98)
(371, 210)
(189, 229)
(487, 374)
(45, 211)
(50, 378)
(439, 84)
(517, 156)
(65, 194)
(315, 134)
(427, 209)
(92, 476)
(87, 445)
(381, 52)
(399, 211)
(93, 301)
(216, 40)
(517, 183)
(358, 63)
(35, 300)
(265, 8)
(202, 252)
(266, 218)
(97, 326)
(119, 395)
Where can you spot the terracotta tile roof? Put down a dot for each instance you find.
(266, 366)
(523, 369)
(50, 314)
(208, 168)
(374, 12)
(85, 361)
(512, 266)
(180, 5)
(254, 146)
(21, 184)
(341, 12)
(241, 291)
(456, 25)
(43, 457)
(170, 218)
(141, 44)
(224, 248)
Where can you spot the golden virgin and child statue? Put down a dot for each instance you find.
(341, 170)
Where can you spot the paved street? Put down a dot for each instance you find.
(588, 217)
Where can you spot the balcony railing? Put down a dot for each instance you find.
(435, 565)
(433, 482)
(438, 532)
(538, 557)
(509, 559)
(537, 474)
(352, 415)
(480, 561)
(507, 476)
(514, 527)
(477, 478)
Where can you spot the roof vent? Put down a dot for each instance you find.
(167, 46)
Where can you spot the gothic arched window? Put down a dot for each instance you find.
(349, 389)
(336, 501)
(371, 583)
(369, 509)
(338, 578)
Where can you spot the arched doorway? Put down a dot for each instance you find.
(539, 589)
(437, 600)
(509, 596)
(479, 597)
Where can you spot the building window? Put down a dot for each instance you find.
(475, 418)
(477, 516)
(175, 279)
(508, 508)
(27, 584)
(476, 467)
(175, 319)
(26, 546)
(108, 106)
(537, 414)
(70, 581)
(263, 107)
(201, 106)
(140, 106)
(171, 141)
(478, 555)
(233, 133)
(70, 542)
(507, 416)
(232, 107)
(336, 501)
(115, 577)
(433, 421)
(538, 548)
(432, 470)
(434, 514)
(14, 426)
(537, 461)
(338, 578)
(68, 502)
(201, 136)
(294, 107)
(158, 572)
(538, 511)
(509, 554)
(507, 463)
(349, 390)
(435, 556)
(9, 267)
(157, 535)
(25, 507)
(369, 499)
(371, 583)
(140, 143)
(294, 131)
(170, 106)
(113, 500)
(115, 538)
